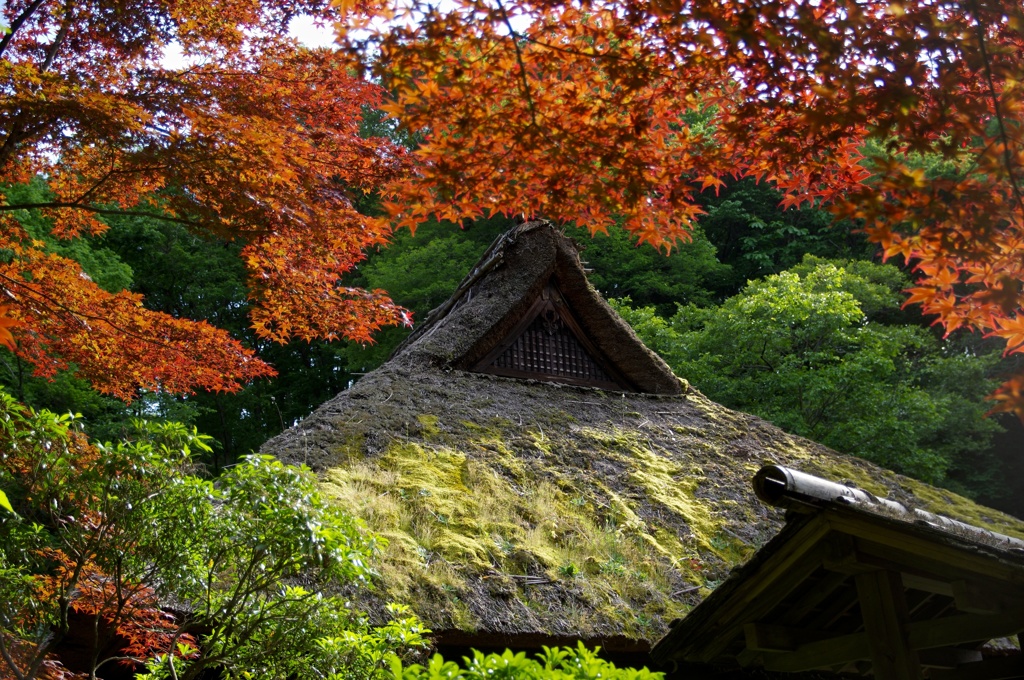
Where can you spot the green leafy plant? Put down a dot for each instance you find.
(113, 533)
(569, 570)
(554, 663)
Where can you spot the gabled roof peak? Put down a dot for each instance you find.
(527, 310)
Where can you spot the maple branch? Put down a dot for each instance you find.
(100, 211)
(10, 661)
(997, 109)
(172, 645)
(51, 53)
(133, 659)
(18, 22)
(514, 37)
(120, 600)
(20, 131)
(97, 184)
(663, 72)
(75, 314)
(170, 663)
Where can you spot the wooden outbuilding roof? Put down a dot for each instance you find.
(861, 585)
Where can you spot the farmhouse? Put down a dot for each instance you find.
(542, 477)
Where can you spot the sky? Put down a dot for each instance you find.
(301, 27)
(310, 35)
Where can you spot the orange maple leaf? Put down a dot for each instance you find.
(7, 322)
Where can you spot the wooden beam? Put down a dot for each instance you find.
(749, 657)
(973, 593)
(772, 583)
(948, 657)
(928, 585)
(824, 653)
(955, 630)
(767, 638)
(839, 607)
(897, 541)
(999, 668)
(764, 638)
(843, 649)
(841, 556)
(810, 601)
(924, 572)
(884, 608)
(973, 597)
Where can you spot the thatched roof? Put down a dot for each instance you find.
(528, 511)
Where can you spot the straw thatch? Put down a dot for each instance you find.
(525, 511)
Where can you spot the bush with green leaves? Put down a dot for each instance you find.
(559, 663)
(241, 575)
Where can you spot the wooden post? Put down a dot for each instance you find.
(884, 608)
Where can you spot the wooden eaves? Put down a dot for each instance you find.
(859, 585)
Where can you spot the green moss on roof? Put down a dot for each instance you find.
(466, 519)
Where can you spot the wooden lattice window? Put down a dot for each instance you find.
(548, 344)
(549, 347)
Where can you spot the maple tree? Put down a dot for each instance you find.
(77, 548)
(120, 553)
(606, 111)
(253, 138)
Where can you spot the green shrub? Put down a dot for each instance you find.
(559, 663)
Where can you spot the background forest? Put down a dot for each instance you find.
(777, 312)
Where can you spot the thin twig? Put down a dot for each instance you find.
(997, 109)
(514, 37)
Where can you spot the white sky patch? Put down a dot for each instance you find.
(313, 34)
(303, 28)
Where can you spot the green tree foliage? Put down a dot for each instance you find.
(565, 663)
(756, 236)
(106, 536)
(820, 350)
(690, 273)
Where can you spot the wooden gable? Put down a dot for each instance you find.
(548, 343)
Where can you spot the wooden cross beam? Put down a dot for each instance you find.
(794, 650)
(883, 605)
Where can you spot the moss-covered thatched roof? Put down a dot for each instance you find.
(521, 509)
